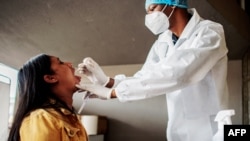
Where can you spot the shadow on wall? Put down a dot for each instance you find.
(134, 133)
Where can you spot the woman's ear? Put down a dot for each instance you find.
(49, 79)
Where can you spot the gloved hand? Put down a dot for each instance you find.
(93, 71)
(101, 92)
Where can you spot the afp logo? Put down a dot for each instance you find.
(236, 132)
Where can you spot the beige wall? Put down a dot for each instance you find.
(235, 89)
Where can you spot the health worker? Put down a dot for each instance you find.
(187, 63)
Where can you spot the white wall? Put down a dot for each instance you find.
(147, 119)
(7, 95)
(4, 104)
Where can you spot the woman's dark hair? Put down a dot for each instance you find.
(33, 90)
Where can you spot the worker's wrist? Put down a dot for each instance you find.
(110, 83)
(113, 94)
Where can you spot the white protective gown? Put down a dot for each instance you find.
(193, 75)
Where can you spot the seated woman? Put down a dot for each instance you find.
(45, 112)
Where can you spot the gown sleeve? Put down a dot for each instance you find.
(185, 65)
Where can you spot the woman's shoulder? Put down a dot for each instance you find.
(40, 115)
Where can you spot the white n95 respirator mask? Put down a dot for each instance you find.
(157, 22)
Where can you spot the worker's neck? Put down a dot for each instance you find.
(179, 21)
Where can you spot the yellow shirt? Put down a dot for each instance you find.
(51, 125)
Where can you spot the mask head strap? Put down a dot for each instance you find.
(171, 12)
(164, 8)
